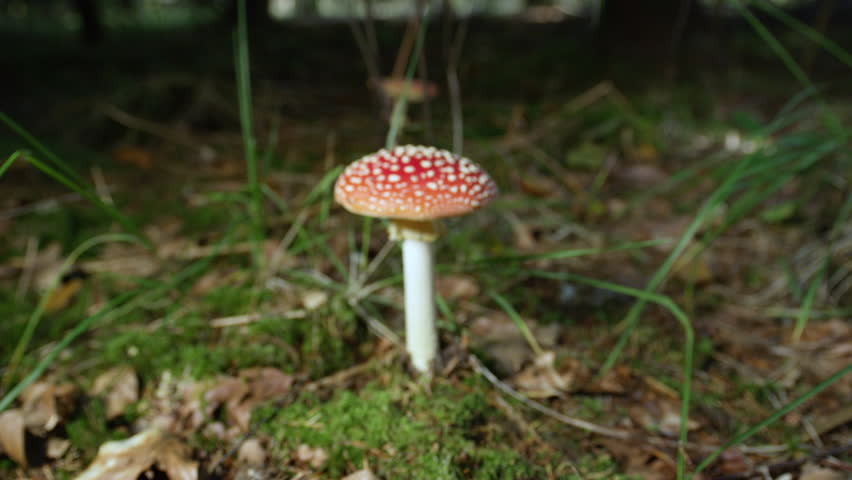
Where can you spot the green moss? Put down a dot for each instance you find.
(89, 431)
(403, 435)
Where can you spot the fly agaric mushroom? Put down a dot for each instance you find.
(413, 186)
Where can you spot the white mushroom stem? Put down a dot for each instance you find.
(418, 264)
(421, 338)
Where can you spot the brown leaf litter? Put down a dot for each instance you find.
(120, 387)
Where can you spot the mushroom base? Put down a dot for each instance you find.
(424, 231)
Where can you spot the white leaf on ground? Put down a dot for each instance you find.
(316, 457)
(814, 472)
(130, 458)
(56, 447)
(364, 474)
(252, 452)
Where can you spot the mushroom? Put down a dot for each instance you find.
(414, 186)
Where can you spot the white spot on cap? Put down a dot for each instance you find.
(393, 177)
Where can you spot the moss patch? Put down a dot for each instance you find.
(402, 434)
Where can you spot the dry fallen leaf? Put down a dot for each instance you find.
(64, 293)
(45, 404)
(13, 436)
(457, 286)
(541, 380)
(252, 452)
(364, 474)
(313, 299)
(130, 458)
(121, 387)
(56, 447)
(814, 472)
(418, 90)
(241, 395)
(316, 457)
(133, 156)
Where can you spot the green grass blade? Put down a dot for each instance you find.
(806, 30)
(571, 253)
(772, 418)
(42, 149)
(805, 312)
(831, 118)
(241, 59)
(522, 326)
(9, 161)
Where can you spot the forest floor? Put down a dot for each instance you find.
(722, 191)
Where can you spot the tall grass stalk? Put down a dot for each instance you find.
(398, 114)
(241, 60)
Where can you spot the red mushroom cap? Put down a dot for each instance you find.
(414, 183)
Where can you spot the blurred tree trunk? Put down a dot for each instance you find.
(91, 28)
(654, 31)
(307, 8)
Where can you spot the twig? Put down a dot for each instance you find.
(135, 123)
(774, 469)
(404, 52)
(248, 318)
(600, 430)
(574, 422)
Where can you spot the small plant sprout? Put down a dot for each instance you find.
(414, 186)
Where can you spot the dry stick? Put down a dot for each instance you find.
(135, 123)
(574, 422)
(775, 469)
(597, 429)
(405, 47)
